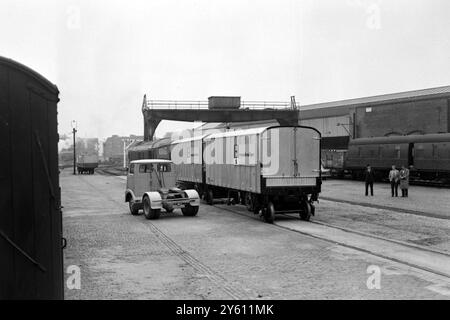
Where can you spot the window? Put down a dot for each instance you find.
(434, 151)
(132, 169)
(142, 168)
(164, 167)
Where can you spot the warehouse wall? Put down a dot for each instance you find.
(422, 117)
(329, 126)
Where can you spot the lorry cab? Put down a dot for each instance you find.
(151, 186)
(149, 175)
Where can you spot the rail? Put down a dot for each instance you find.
(203, 105)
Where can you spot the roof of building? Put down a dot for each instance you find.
(341, 107)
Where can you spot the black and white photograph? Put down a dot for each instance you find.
(225, 155)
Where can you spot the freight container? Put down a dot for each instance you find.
(31, 260)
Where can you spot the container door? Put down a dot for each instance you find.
(306, 153)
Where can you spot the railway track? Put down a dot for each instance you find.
(234, 291)
(419, 250)
(112, 171)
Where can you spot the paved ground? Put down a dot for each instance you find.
(434, 201)
(217, 254)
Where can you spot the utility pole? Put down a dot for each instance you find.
(74, 130)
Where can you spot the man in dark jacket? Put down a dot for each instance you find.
(369, 178)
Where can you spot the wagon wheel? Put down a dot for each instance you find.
(134, 209)
(249, 202)
(149, 212)
(305, 213)
(269, 213)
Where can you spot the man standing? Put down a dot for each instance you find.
(369, 178)
(394, 177)
(404, 181)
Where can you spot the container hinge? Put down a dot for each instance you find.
(12, 243)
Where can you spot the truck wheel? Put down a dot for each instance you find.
(305, 214)
(269, 213)
(134, 209)
(148, 211)
(189, 210)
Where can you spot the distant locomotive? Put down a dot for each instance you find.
(270, 170)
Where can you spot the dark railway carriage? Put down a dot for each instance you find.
(429, 155)
(157, 149)
(31, 263)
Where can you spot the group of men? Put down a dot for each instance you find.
(396, 178)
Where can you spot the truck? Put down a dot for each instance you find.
(87, 163)
(151, 186)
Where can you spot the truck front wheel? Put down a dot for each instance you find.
(134, 209)
(148, 211)
(189, 211)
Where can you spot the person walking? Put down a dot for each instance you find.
(404, 181)
(369, 178)
(394, 177)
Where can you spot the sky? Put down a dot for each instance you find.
(105, 55)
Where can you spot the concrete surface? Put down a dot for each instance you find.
(217, 254)
(426, 200)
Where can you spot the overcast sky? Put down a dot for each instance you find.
(104, 55)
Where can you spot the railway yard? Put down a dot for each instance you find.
(226, 252)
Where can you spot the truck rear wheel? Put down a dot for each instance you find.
(189, 211)
(148, 211)
(134, 209)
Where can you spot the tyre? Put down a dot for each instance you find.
(189, 211)
(148, 211)
(134, 208)
(305, 214)
(269, 213)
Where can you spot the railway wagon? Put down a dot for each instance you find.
(87, 163)
(31, 259)
(187, 155)
(428, 155)
(271, 169)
